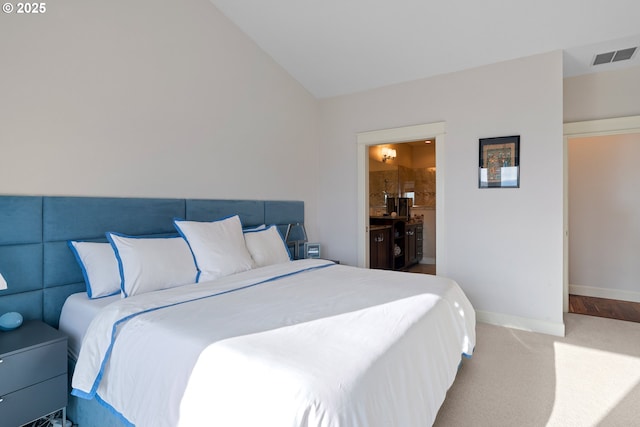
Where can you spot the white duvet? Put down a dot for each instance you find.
(306, 343)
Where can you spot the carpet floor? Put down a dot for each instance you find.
(590, 377)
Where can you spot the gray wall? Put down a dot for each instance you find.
(603, 95)
(503, 246)
(150, 98)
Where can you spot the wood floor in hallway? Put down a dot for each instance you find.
(603, 307)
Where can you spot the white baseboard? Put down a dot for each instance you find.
(427, 261)
(590, 291)
(523, 323)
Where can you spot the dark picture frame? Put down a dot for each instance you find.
(499, 162)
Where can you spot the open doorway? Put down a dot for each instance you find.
(602, 209)
(402, 203)
(434, 132)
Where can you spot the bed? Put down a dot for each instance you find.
(279, 342)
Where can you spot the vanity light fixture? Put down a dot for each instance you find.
(388, 154)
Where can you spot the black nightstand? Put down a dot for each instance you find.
(33, 373)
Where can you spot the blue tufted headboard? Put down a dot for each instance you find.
(40, 270)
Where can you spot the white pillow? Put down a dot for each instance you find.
(266, 246)
(218, 247)
(99, 267)
(255, 228)
(151, 264)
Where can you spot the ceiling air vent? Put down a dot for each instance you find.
(615, 56)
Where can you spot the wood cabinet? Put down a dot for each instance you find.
(33, 373)
(419, 241)
(379, 238)
(410, 243)
(413, 242)
(399, 245)
(404, 244)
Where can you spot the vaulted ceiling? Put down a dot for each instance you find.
(335, 47)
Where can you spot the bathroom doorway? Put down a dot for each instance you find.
(432, 131)
(405, 172)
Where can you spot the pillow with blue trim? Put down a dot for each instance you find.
(148, 264)
(99, 267)
(254, 228)
(218, 246)
(266, 246)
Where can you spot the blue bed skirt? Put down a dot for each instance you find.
(90, 413)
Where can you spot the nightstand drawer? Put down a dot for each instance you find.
(30, 403)
(22, 369)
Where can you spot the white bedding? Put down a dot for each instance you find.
(323, 345)
(77, 313)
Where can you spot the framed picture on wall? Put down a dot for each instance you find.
(499, 162)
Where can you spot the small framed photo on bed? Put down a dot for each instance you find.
(499, 162)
